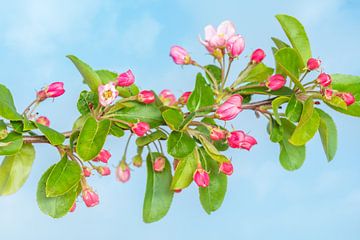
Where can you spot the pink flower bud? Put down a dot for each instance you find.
(226, 168)
(126, 79)
(103, 156)
(313, 64)
(86, 171)
(146, 96)
(140, 128)
(238, 139)
(104, 171)
(72, 209)
(230, 108)
(55, 89)
(43, 120)
(123, 172)
(217, 134)
(90, 198)
(275, 82)
(159, 164)
(328, 93)
(257, 56)
(167, 97)
(180, 55)
(348, 98)
(184, 98)
(201, 177)
(107, 94)
(324, 79)
(235, 45)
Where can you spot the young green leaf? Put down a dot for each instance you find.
(11, 144)
(180, 144)
(215, 71)
(173, 118)
(184, 172)
(54, 137)
(87, 101)
(7, 106)
(212, 151)
(259, 73)
(152, 137)
(202, 95)
(106, 76)
(279, 43)
(15, 169)
(294, 109)
(275, 106)
(328, 134)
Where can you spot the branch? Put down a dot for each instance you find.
(42, 138)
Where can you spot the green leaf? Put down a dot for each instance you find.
(11, 144)
(187, 121)
(202, 95)
(291, 157)
(308, 124)
(54, 137)
(173, 118)
(180, 144)
(158, 196)
(64, 177)
(184, 172)
(349, 84)
(152, 137)
(90, 76)
(275, 130)
(336, 103)
(15, 170)
(259, 73)
(116, 130)
(106, 76)
(294, 109)
(7, 106)
(55, 207)
(213, 195)
(215, 71)
(87, 101)
(287, 61)
(126, 92)
(297, 36)
(328, 134)
(92, 138)
(279, 43)
(211, 150)
(284, 91)
(135, 112)
(3, 130)
(275, 106)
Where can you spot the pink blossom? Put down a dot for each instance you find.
(201, 177)
(217, 38)
(226, 168)
(55, 89)
(104, 171)
(159, 164)
(107, 94)
(86, 171)
(140, 128)
(275, 82)
(167, 97)
(348, 98)
(235, 45)
(257, 56)
(103, 156)
(313, 64)
(123, 172)
(238, 139)
(324, 79)
(43, 120)
(146, 96)
(184, 98)
(90, 198)
(230, 108)
(180, 55)
(125, 79)
(217, 134)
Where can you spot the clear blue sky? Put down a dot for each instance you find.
(320, 201)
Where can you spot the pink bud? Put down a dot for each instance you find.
(257, 56)
(238, 139)
(201, 177)
(217, 134)
(217, 38)
(275, 82)
(72, 209)
(104, 171)
(55, 89)
(324, 79)
(167, 97)
(230, 108)
(43, 120)
(348, 98)
(140, 128)
(180, 55)
(146, 96)
(107, 94)
(159, 164)
(90, 198)
(313, 64)
(328, 93)
(184, 98)
(86, 171)
(126, 79)
(123, 172)
(226, 168)
(235, 46)
(103, 156)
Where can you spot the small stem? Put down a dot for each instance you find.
(242, 75)
(227, 73)
(27, 109)
(126, 147)
(213, 79)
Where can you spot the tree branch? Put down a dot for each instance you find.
(42, 138)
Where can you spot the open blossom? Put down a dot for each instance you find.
(103, 156)
(180, 55)
(230, 108)
(159, 164)
(324, 79)
(107, 94)
(275, 82)
(235, 45)
(226, 168)
(123, 172)
(184, 98)
(217, 134)
(125, 79)
(90, 197)
(201, 177)
(257, 56)
(146, 96)
(104, 171)
(217, 38)
(54, 90)
(140, 128)
(43, 120)
(167, 97)
(86, 171)
(348, 98)
(239, 139)
(313, 64)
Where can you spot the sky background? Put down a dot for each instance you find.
(319, 201)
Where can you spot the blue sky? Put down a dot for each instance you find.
(319, 201)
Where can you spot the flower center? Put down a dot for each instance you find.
(107, 94)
